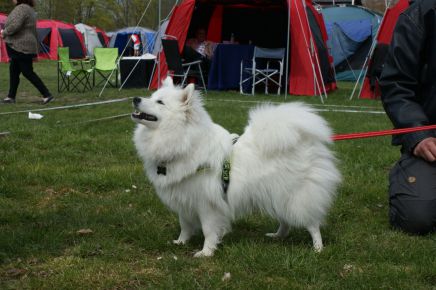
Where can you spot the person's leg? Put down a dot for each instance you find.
(14, 78)
(26, 67)
(412, 195)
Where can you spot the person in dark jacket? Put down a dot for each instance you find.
(22, 46)
(408, 85)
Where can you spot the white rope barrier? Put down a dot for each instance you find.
(280, 102)
(69, 106)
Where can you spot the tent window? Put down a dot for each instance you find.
(71, 40)
(44, 36)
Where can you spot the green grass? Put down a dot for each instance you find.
(62, 174)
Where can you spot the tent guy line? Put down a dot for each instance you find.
(125, 47)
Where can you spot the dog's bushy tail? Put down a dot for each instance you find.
(281, 128)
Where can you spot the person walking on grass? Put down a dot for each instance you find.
(409, 98)
(21, 41)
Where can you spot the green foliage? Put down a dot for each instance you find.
(106, 14)
(67, 173)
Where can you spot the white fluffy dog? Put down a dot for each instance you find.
(281, 165)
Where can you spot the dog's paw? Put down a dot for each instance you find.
(179, 242)
(276, 235)
(272, 235)
(317, 248)
(204, 253)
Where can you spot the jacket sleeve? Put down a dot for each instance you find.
(400, 79)
(15, 21)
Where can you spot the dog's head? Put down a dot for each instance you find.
(168, 105)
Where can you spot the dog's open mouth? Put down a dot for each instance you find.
(144, 116)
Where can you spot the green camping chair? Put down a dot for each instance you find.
(106, 64)
(73, 75)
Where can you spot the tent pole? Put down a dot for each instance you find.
(363, 71)
(125, 47)
(287, 50)
(365, 66)
(158, 54)
(315, 53)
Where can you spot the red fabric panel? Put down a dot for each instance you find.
(384, 36)
(177, 27)
(214, 32)
(301, 78)
(3, 53)
(390, 20)
(367, 93)
(304, 54)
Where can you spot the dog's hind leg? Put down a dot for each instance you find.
(282, 231)
(316, 237)
(187, 230)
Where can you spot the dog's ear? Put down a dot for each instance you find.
(168, 82)
(188, 94)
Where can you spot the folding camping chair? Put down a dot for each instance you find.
(106, 64)
(176, 66)
(73, 75)
(265, 66)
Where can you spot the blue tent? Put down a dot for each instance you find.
(351, 31)
(121, 37)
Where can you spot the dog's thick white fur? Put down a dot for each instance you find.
(281, 165)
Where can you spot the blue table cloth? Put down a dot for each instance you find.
(224, 73)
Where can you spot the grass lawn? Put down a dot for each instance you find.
(67, 173)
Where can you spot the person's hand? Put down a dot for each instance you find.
(426, 149)
(1, 33)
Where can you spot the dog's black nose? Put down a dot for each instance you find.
(136, 100)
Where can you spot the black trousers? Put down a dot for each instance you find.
(412, 195)
(21, 63)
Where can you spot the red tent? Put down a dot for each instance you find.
(308, 56)
(3, 53)
(53, 34)
(370, 89)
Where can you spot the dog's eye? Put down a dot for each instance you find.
(160, 102)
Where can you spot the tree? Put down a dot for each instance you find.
(106, 14)
(6, 6)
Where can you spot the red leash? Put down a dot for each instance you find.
(341, 137)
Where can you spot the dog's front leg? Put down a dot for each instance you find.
(214, 226)
(211, 241)
(187, 230)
